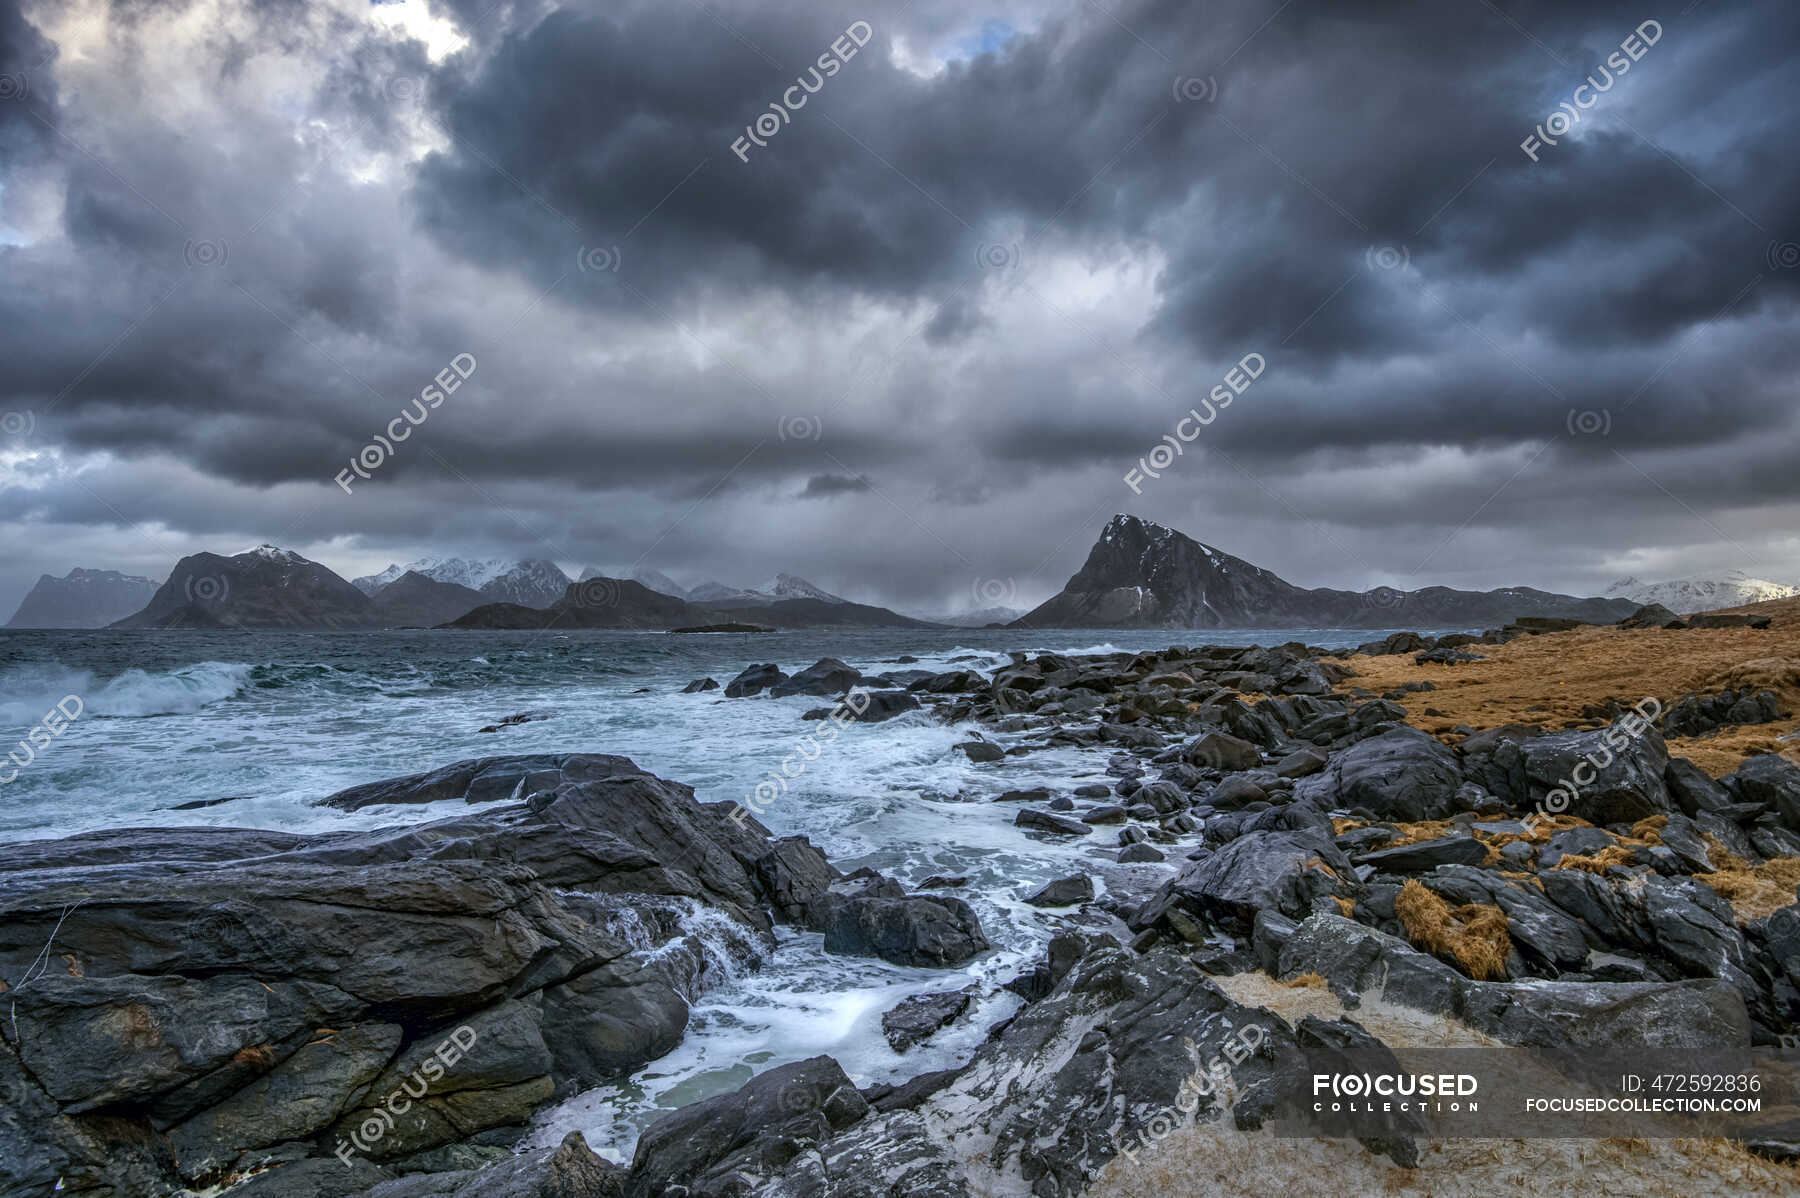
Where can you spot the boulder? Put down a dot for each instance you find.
(1234, 793)
(1222, 751)
(1064, 892)
(1049, 821)
(1288, 872)
(754, 680)
(1426, 855)
(932, 930)
(1651, 615)
(918, 1018)
(1401, 775)
(1624, 774)
(866, 707)
(827, 676)
(700, 684)
(1302, 762)
(1693, 789)
(1772, 781)
(714, 1146)
(981, 750)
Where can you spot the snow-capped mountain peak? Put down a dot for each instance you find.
(272, 553)
(531, 583)
(1685, 596)
(790, 586)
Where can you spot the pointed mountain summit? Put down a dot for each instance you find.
(1140, 574)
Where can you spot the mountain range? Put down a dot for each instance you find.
(777, 589)
(82, 599)
(1688, 595)
(1137, 575)
(533, 582)
(1143, 575)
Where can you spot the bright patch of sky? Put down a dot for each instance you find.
(992, 35)
(927, 61)
(412, 19)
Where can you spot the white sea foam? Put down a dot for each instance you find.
(179, 692)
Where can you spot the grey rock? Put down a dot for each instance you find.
(918, 1018)
(1049, 821)
(1426, 855)
(753, 680)
(1401, 775)
(1064, 892)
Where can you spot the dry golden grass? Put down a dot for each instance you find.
(1475, 935)
(1754, 892)
(1309, 981)
(1548, 680)
(1645, 832)
(1597, 863)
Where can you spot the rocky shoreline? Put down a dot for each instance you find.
(377, 1014)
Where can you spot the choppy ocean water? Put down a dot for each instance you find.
(278, 720)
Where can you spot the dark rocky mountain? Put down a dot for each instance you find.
(625, 603)
(1143, 575)
(82, 599)
(263, 588)
(817, 613)
(596, 603)
(416, 601)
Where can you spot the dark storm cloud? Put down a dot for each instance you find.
(822, 486)
(993, 283)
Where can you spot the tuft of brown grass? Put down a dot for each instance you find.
(1475, 936)
(1308, 981)
(1754, 891)
(1597, 863)
(1345, 905)
(1416, 833)
(260, 1057)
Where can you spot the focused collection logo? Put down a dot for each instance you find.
(1368, 1093)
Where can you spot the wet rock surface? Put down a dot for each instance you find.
(223, 1001)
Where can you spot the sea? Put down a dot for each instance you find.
(273, 721)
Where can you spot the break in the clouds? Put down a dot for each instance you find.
(910, 345)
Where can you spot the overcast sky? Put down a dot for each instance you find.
(911, 345)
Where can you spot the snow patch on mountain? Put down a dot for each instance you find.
(530, 583)
(1685, 596)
